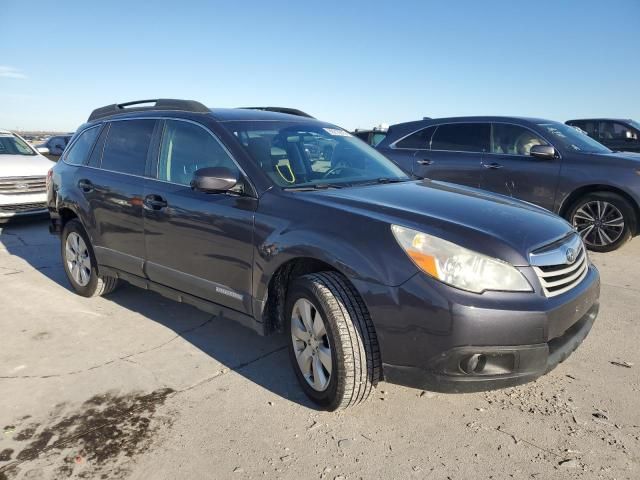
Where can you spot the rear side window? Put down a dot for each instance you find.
(96, 154)
(78, 152)
(187, 148)
(462, 137)
(127, 145)
(419, 140)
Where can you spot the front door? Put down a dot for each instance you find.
(199, 243)
(509, 169)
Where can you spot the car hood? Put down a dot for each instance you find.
(487, 223)
(24, 165)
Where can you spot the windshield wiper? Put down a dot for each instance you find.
(317, 186)
(383, 180)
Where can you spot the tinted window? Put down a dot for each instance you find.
(613, 131)
(82, 146)
(186, 148)
(462, 137)
(96, 154)
(513, 139)
(377, 138)
(127, 145)
(418, 140)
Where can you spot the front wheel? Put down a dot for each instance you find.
(332, 342)
(604, 220)
(80, 263)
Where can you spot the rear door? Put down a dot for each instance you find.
(113, 185)
(509, 169)
(455, 153)
(198, 243)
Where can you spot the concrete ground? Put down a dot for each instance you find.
(136, 386)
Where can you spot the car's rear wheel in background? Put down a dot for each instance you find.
(332, 342)
(80, 263)
(604, 220)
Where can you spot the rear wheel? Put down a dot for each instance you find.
(604, 220)
(80, 263)
(332, 346)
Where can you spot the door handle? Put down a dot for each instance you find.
(425, 161)
(154, 202)
(492, 166)
(85, 185)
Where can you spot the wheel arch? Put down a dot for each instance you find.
(273, 315)
(578, 193)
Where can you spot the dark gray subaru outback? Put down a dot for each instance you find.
(371, 274)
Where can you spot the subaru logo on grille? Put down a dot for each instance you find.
(22, 186)
(571, 255)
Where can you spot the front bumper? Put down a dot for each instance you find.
(439, 338)
(19, 205)
(502, 367)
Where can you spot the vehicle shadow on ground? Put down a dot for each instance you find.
(235, 347)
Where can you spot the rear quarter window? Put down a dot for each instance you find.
(80, 149)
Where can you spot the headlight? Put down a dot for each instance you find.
(457, 266)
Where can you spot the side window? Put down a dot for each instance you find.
(462, 137)
(187, 147)
(611, 131)
(127, 146)
(96, 154)
(510, 139)
(82, 146)
(419, 140)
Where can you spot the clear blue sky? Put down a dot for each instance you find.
(354, 63)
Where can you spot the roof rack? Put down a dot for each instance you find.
(157, 104)
(290, 111)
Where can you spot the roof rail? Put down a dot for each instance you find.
(157, 104)
(290, 111)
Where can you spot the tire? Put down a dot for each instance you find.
(349, 336)
(84, 276)
(596, 215)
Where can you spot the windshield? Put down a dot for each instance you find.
(572, 139)
(12, 145)
(298, 155)
(635, 124)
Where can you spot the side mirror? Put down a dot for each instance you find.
(43, 150)
(214, 180)
(545, 152)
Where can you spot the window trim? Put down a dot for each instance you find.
(156, 146)
(490, 122)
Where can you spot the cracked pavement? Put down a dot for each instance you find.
(135, 386)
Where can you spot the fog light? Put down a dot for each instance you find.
(473, 363)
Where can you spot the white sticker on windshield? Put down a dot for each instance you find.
(336, 132)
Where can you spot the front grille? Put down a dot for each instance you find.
(23, 207)
(557, 278)
(22, 185)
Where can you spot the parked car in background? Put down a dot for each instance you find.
(372, 274)
(56, 146)
(618, 135)
(540, 161)
(371, 136)
(23, 174)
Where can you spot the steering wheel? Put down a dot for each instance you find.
(336, 170)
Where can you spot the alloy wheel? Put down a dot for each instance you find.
(311, 344)
(77, 258)
(599, 223)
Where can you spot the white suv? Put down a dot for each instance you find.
(23, 176)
